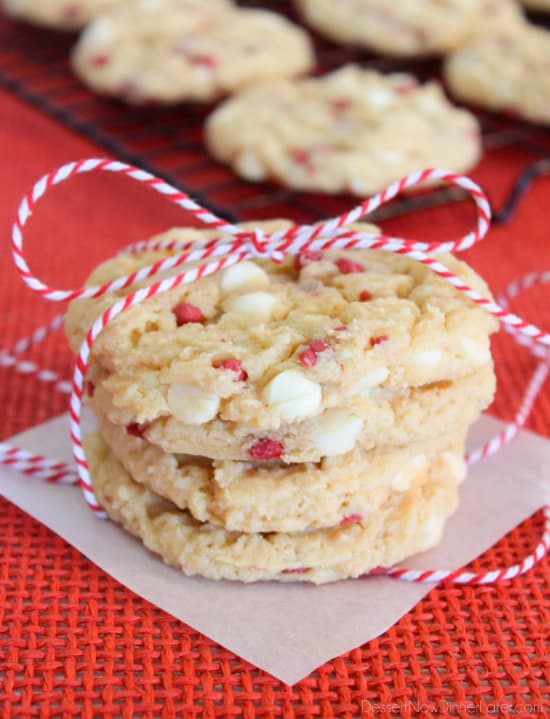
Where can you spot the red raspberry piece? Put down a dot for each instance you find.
(347, 267)
(351, 519)
(298, 570)
(304, 258)
(301, 157)
(205, 60)
(378, 340)
(265, 449)
(318, 346)
(365, 296)
(135, 430)
(99, 60)
(233, 365)
(90, 388)
(340, 104)
(342, 328)
(308, 358)
(186, 313)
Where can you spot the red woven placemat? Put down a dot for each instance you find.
(75, 643)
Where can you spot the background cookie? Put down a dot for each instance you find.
(352, 130)
(175, 50)
(508, 71)
(58, 14)
(410, 522)
(406, 27)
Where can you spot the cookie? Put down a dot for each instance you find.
(263, 344)
(389, 418)
(406, 28)
(58, 14)
(507, 72)
(352, 131)
(273, 496)
(408, 522)
(168, 51)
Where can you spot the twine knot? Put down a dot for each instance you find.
(260, 245)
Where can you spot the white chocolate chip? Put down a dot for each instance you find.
(455, 465)
(258, 304)
(249, 166)
(379, 98)
(406, 476)
(293, 395)
(245, 275)
(191, 405)
(427, 359)
(337, 432)
(474, 351)
(370, 379)
(99, 33)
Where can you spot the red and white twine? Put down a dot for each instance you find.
(235, 245)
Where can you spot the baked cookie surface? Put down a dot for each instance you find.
(263, 344)
(506, 72)
(409, 522)
(352, 131)
(407, 27)
(58, 14)
(273, 496)
(175, 50)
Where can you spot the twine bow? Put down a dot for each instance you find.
(235, 245)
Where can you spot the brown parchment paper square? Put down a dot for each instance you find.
(289, 630)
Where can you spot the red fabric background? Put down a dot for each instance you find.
(75, 643)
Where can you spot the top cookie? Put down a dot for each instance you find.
(263, 344)
(352, 130)
(407, 27)
(509, 71)
(168, 51)
(58, 14)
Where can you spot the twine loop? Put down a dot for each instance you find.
(232, 245)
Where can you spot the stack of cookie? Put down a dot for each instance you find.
(294, 421)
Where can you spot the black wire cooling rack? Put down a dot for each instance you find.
(168, 141)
